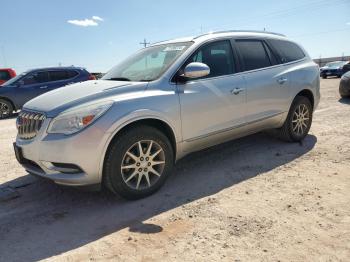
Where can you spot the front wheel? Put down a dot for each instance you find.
(138, 162)
(6, 109)
(298, 122)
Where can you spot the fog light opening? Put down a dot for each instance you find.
(67, 168)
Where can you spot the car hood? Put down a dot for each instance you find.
(56, 101)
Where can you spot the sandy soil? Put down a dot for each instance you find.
(253, 199)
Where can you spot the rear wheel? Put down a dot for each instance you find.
(298, 122)
(324, 77)
(6, 109)
(138, 162)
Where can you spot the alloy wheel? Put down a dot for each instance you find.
(143, 164)
(4, 110)
(301, 120)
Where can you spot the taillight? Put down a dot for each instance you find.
(91, 77)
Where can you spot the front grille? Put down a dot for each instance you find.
(29, 124)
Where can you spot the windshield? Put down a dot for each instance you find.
(148, 64)
(335, 64)
(13, 80)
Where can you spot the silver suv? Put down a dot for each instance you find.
(127, 130)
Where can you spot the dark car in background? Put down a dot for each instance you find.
(344, 86)
(28, 85)
(6, 74)
(333, 69)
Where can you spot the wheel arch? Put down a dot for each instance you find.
(155, 122)
(10, 101)
(15, 108)
(308, 94)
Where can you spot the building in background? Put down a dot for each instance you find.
(322, 61)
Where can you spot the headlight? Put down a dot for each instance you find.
(75, 119)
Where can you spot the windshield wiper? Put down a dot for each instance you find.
(119, 79)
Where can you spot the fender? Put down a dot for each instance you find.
(130, 118)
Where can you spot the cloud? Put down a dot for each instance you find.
(97, 18)
(85, 22)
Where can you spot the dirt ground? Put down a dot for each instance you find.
(253, 199)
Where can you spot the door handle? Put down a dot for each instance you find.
(236, 91)
(282, 80)
(43, 87)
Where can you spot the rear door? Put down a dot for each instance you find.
(60, 78)
(266, 80)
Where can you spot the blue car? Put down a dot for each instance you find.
(333, 69)
(28, 85)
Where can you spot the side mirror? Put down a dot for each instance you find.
(196, 70)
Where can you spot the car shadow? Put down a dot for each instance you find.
(344, 100)
(14, 115)
(48, 220)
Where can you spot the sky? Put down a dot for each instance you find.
(97, 34)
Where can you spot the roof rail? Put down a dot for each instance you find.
(240, 31)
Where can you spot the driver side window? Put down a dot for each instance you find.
(36, 78)
(218, 56)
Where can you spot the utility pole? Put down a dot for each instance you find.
(145, 43)
(320, 61)
(342, 56)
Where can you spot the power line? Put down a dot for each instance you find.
(278, 14)
(321, 33)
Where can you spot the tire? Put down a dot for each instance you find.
(324, 77)
(289, 131)
(6, 109)
(132, 183)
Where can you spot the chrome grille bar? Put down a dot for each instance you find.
(29, 124)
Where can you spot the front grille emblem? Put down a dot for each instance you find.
(28, 124)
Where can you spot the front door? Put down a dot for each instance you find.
(32, 86)
(215, 103)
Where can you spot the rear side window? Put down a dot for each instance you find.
(253, 54)
(72, 73)
(218, 56)
(287, 50)
(58, 75)
(4, 75)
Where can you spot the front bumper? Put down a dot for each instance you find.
(84, 150)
